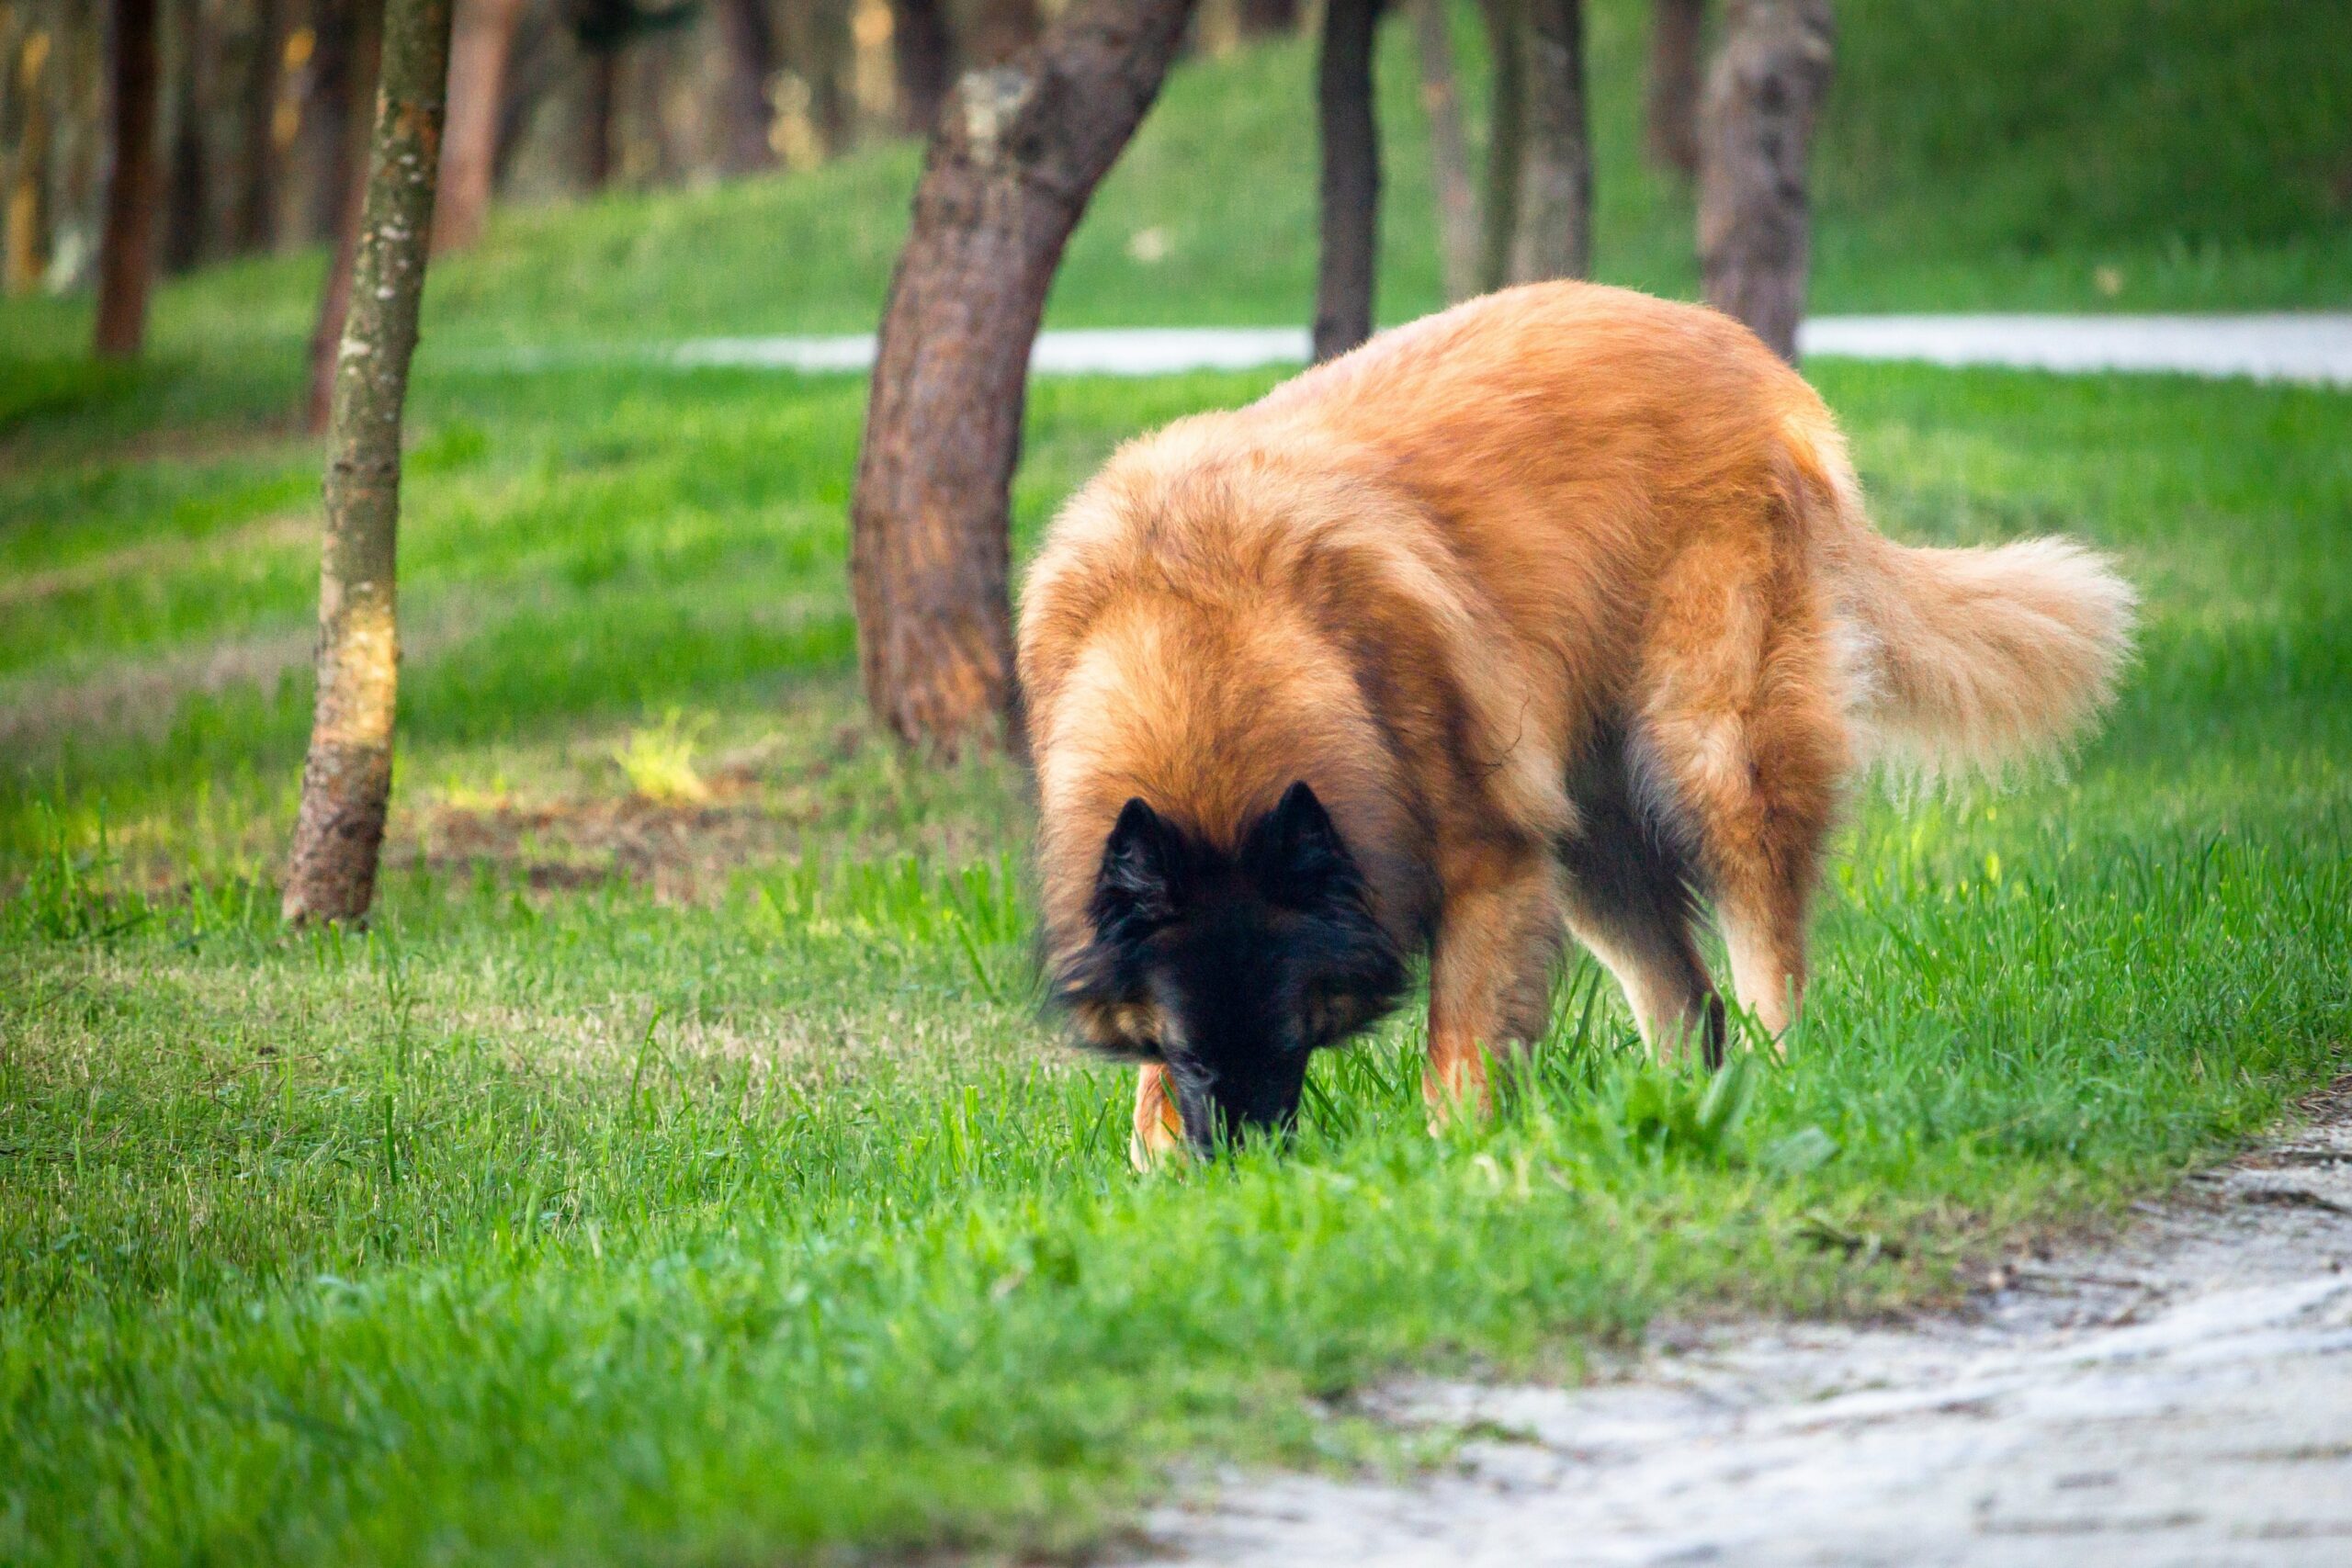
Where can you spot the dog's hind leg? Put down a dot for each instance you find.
(1630, 903)
(1743, 738)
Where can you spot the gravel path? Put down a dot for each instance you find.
(2314, 348)
(2181, 1397)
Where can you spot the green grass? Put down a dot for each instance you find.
(695, 1181)
(681, 1171)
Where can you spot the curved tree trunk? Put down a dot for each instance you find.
(347, 779)
(1018, 153)
(479, 49)
(1343, 288)
(1505, 139)
(1554, 237)
(1457, 192)
(1670, 106)
(1003, 28)
(748, 41)
(361, 48)
(1754, 217)
(126, 247)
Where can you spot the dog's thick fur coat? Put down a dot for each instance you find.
(1563, 604)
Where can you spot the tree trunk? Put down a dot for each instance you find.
(598, 117)
(326, 135)
(127, 248)
(1671, 103)
(1262, 19)
(29, 204)
(1457, 193)
(1754, 222)
(1003, 28)
(748, 41)
(1507, 138)
(1554, 237)
(187, 204)
(346, 781)
(925, 53)
(1343, 287)
(479, 51)
(253, 223)
(1018, 153)
(362, 45)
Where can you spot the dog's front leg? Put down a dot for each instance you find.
(1158, 1127)
(1498, 935)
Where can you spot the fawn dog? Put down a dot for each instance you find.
(1555, 612)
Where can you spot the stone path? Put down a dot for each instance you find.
(2313, 347)
(2179, 1399)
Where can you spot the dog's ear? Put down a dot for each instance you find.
(1143, 871)
(1297, 856)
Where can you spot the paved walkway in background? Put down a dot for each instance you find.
(2181, 1398)
(2314, 348)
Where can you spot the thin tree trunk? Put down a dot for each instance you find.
(1003, 28)
(252, 225)
(1343, 288)
(925, 52)
(748, 41)
(187, 204)
(1555, 236)
(599, 117)
(1018, 153)
(326, 115)
(1507, 138)
(1671, 100)
(1457, 191)
(479, 51)
(362, 46)
(346, 781)
(28, 203)
(1264, 18)
(127, 248)
(1754, 216)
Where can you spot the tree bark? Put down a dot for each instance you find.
(1351, 190)
(363, 46)
(29, 204)
(187, 204)
(925, 53)
(1754, 218)
(1003, 28)
(1505, 140)
(252, 224)
(598, 115)
(1018, 153)
(1671, 100)
(1264, 18)
(748, 41)
(1457, 192)
(1554, 237)
(479, 49)
(346, 781)
(126, 247)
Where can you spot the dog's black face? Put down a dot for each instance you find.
(1231, 968)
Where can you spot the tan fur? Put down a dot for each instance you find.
(1433, 577)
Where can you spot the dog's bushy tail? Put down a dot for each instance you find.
(1971, 661)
